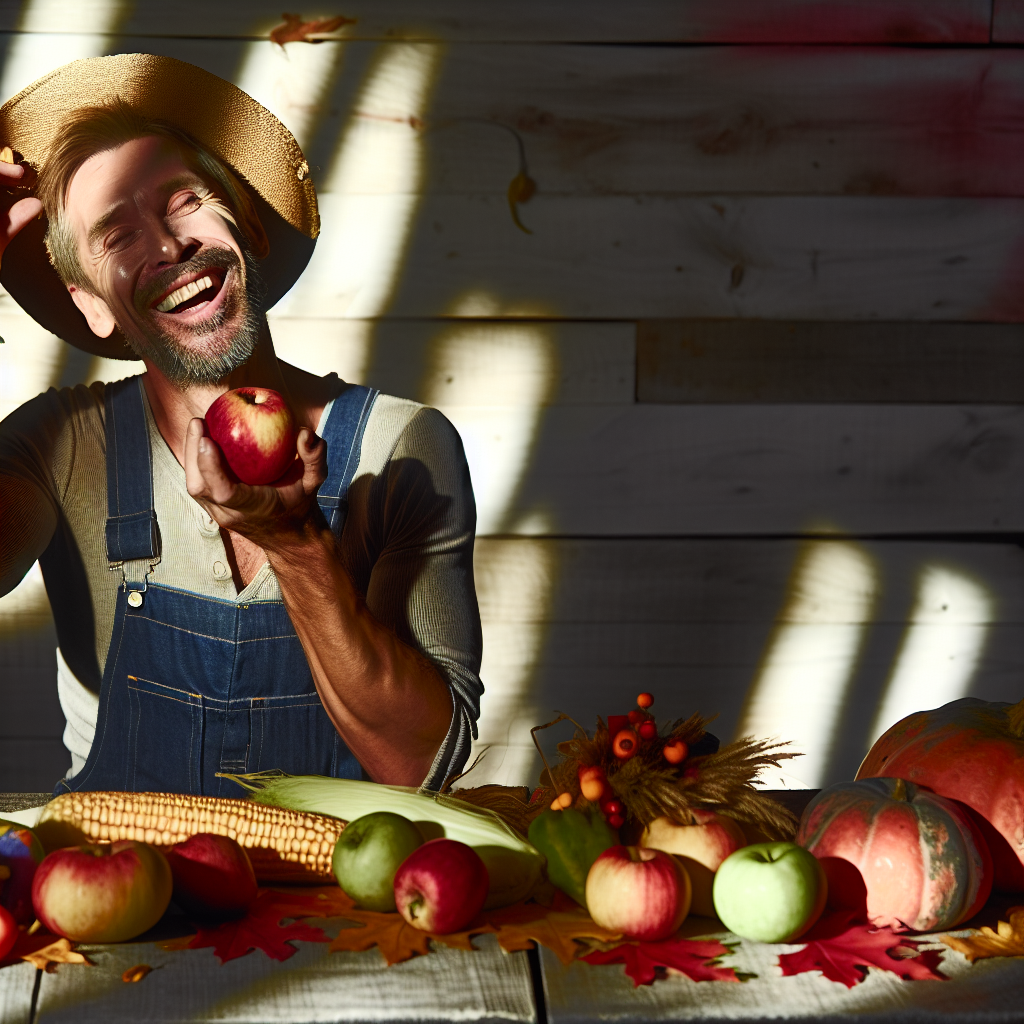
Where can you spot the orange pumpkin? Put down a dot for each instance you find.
(902, 856)
(972, 751)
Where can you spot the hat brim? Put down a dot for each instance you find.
(227, 122)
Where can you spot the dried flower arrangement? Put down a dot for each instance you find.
(635, 773)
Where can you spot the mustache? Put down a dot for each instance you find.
(213, 258)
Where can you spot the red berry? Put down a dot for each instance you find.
(611, 807)
(648, 730)
(635, 717)
(625, 744)
(645, 700)
(616, 821)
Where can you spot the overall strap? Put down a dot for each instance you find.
(131, 517)
(343, 433)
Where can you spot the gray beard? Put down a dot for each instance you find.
(186, 368)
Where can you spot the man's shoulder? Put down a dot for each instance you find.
(79, 408)
(400, 427)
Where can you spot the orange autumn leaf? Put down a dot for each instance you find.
(295, 30)
(59, 952)
(982, 943)
(396, 938)
(557, 927)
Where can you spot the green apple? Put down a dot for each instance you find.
(770, 892)
(368, 854)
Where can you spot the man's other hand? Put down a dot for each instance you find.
(16, 207)
(258, 513)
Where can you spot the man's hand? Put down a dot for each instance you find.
(260, 514)
(16, 208)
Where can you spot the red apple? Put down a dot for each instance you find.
(701, 847)
(213, 877)
(255, 431)
(8, 932)
(102, 892)
(645, 894)
(441, 886)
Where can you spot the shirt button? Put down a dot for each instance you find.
(219, 569)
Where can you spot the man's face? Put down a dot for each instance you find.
(164, 265)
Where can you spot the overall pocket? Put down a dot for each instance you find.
(295, 735)
(165, 738)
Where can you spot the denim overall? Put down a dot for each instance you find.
(194, 685)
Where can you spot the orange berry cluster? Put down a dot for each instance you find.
(625, 743)
(642, 728)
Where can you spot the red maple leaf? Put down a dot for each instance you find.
(261, 928)
(689, 957)
(843, 949)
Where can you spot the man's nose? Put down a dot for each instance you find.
(169, 248)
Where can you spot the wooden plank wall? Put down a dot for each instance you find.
(741, 391)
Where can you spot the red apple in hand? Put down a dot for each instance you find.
(645, 894)
(213, 877)
(102, 892)
(441, 886)
(255, 431)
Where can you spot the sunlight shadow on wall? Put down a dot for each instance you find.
(86, 30)
(293, 83)
(369, 196)
(802, 685)
(941, 648)
(493, 379)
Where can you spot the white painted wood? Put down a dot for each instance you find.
(762, 470)
(718, 120)
(583, 625)
(312, 986)
(877, 21)
(628, 120)
(618, 258)
(984, 993)
(16, 983)
(700, 361)
(722, 581)
(456, 361)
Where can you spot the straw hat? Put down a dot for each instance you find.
(226, 121)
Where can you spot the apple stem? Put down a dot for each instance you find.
(899, 791)
(414, 907)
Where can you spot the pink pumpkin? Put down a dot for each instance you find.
(969, 750)
(899, 854)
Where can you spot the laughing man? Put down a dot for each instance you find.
(326, 624)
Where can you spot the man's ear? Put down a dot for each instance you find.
(96, 312)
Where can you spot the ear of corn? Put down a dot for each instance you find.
(283, 845)
(514, 865)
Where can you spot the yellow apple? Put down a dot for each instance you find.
(701, 846)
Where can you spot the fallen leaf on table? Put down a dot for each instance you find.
(28, 942)
(261, 928)
(396, 938)
(557, 927)
(843, 949)
(295, 30)
(135, 974)
(59, 952)
(691, 957)
(982, 943)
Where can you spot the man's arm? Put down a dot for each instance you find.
(390, 704)
(28, 521)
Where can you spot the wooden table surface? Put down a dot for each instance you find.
(488, 985)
